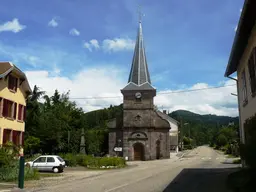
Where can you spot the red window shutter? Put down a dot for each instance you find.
(9, 82)
(5, 109)
(15, 111)
(19, 111)
(22, 138)
(14, 137)
(24, 113)
(6, 136)
(1, 106)
(16, 84)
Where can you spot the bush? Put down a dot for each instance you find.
(237, 161)
(70, 159)
(11, 173)
(92, 162)
(99, 162)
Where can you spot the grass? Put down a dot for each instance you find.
(237, 161)
(230, 156)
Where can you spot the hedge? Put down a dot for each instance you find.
(93, 162)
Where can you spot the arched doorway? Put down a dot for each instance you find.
(157, 149)
(138, 149)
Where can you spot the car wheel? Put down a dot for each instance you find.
(55, 170)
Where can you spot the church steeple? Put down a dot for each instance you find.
(139, 73)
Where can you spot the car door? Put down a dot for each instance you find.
(40, 163)
(50, 163)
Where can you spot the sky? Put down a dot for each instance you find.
(86, 47)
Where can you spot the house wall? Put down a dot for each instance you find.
(19, 98)
(250, 109)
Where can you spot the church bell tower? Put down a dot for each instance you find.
(138, 94)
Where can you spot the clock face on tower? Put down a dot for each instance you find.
(138, 95)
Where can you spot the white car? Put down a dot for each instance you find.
(48, 163)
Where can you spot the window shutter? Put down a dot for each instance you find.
(5, 109)
(24, 113)
(16, 84)
(14, 137)
(15, 111)
(9, 82)
(19, 112)
(4, 136)
(1, 106)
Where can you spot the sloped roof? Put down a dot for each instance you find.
(139, 73)
(167, 117)
(8, 67)
(243, 32)
(132, 86)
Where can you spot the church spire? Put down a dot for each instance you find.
(139, 73)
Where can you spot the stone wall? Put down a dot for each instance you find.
(148, 139)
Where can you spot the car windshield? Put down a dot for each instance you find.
(60, 159)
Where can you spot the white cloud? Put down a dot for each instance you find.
(105, 84)
(92, 44)
(111, 45)
(13, 26)
(118, 44)
(74, 32)
(53, 23)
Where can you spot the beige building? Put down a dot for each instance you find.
(243, 61)
(14, 89)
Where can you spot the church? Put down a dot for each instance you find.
(142, 132)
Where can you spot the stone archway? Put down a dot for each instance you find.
(157, 149)
(138, 149)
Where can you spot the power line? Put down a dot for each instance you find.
(162, 93)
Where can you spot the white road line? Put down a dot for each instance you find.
(5, 190)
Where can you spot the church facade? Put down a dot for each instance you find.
(142, 132)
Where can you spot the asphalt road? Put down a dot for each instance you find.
(200, 170)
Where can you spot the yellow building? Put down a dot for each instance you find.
(14, 89)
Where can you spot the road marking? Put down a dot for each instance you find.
(5, 190)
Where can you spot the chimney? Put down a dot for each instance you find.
(164, 111)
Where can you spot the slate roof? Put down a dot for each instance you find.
(167, 117)
(139, 73)
(133, 86)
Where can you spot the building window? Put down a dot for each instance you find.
(9, 109)
(244, 88)
(12, 83)
(22, 112)
(252, 68)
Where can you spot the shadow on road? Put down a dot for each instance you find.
(201, 180)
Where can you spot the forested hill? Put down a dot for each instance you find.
(207, 129)
(209, 119)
